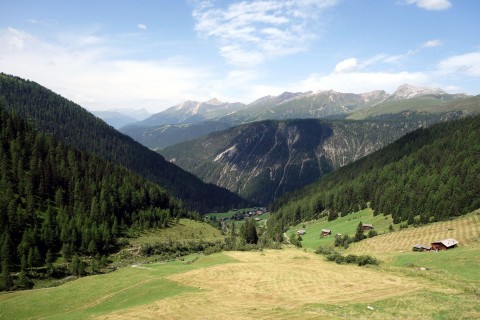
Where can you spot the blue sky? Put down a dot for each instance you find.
(153, 54)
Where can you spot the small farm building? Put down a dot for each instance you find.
(326, 232)
(367, 226)
(444, 244)
(301, 232)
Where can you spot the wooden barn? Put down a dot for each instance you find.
(326, 232)
(444, 244)
(301, 232)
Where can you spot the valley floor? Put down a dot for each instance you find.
(272, 284)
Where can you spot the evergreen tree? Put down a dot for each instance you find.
(359, 234)
(251, 236)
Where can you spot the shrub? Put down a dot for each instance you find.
(372, 233)
(334, 256)
(367, 260)
(324, 250)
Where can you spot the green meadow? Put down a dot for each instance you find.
(95, 295)
(343, 225)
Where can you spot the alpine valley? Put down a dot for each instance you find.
(111, 229)
(240, 160)
(263, 159)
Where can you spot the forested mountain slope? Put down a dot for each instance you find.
(51, 113)
(57, 200)
(263, 160)
(428, 175)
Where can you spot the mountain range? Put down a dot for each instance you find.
(167, 127)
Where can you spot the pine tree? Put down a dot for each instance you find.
(359, 235)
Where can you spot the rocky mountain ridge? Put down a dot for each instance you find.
(263, 160)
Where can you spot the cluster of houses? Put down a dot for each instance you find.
(327, 232)
(245, 215)
(324, 233)
(436, 245)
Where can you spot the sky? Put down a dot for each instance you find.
(153, 54)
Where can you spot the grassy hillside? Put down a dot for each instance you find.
(92, 296)
(184, 230)
(343, 225)
(465, 229)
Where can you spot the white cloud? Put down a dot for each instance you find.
(141, 26)
(466, 64)
(431, 4)
(251, 32)
(47, 23)
(88, 75)
(432, 44)
(347, 66)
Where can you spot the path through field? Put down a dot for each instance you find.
(271, 284)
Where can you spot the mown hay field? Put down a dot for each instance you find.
(464, 229)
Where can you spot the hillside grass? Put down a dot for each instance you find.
(100, 294)
(185, 230)
(343, 225)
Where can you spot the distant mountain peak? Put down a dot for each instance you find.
(407, 91)
(189, 104)
(214, 102)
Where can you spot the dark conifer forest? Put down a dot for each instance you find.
(48, 112)
(57, 201)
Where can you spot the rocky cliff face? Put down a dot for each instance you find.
(262, 161)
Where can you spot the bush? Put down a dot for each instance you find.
(324, 250)
(367, 260)
(334, 256)
(351, 259)
(372, 233)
